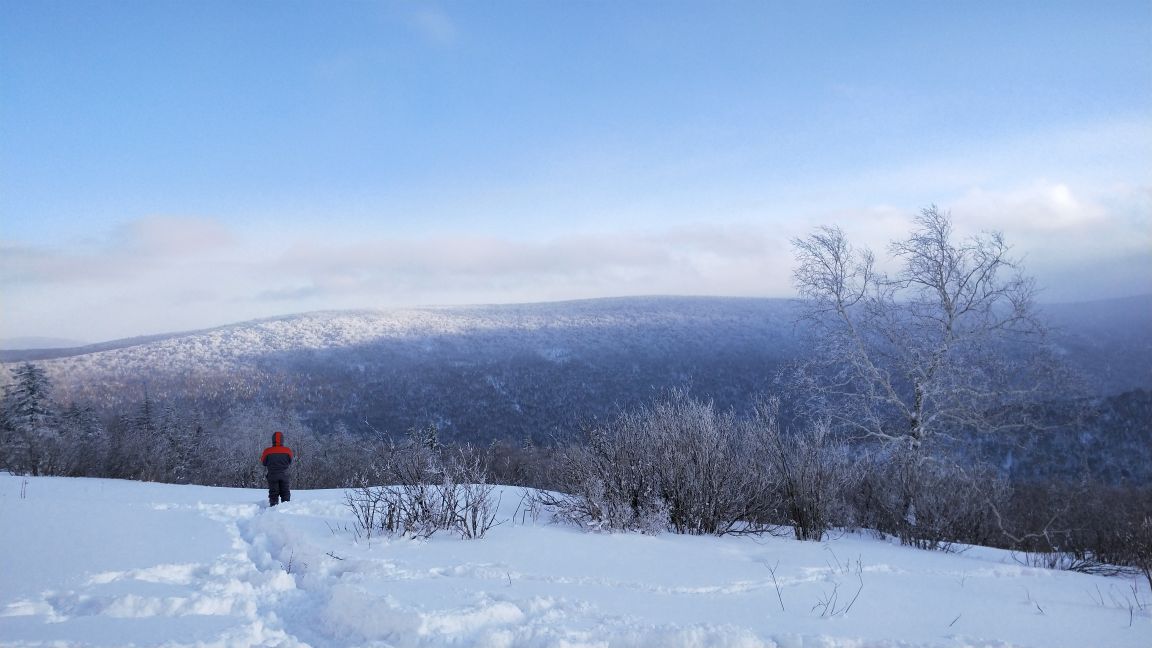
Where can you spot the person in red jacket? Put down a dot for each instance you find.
(276, 459)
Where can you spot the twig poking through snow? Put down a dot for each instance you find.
(1100, 594)
(779, 596)
(827, 605)
(860, 576)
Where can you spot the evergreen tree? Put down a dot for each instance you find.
(190, 464)
(30, 436)
(170, 448)
(148, 451)
(86, 449)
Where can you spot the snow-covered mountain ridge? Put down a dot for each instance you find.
(321, 330)
(512, 370)
(490, 370)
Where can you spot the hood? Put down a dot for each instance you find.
(277, 438)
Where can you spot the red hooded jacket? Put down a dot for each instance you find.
(277, 457)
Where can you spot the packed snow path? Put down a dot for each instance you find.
(112, 563)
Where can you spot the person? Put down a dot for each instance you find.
(277, 458)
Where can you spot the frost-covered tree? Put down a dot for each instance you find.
(947, 347)
(950, 343)
(135, 450)
(87, 441)
(171, 445)
(192, 458)
(30, 432)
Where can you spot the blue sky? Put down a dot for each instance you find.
(175, 165)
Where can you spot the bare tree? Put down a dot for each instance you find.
(948, 347)
(950, 343)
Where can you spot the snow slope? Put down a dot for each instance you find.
(112, 563)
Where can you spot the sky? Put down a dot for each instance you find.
(169, 166)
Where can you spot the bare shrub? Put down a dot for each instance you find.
(675, 465)
(1085, 527)
(525, 464)
(830, 605)
(367, 505)
(1142, 548)
(609, 484)
(808, 470)
(472, 505)
(438, 490)
(927, 502)
(707, 466)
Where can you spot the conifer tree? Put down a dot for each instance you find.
(30, 435)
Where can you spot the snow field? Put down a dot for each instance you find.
(92, 562)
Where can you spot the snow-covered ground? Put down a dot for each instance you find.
(115, 563)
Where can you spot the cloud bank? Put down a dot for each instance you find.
(165, 273)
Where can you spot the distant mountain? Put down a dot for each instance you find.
(512, 371)
(479, 372)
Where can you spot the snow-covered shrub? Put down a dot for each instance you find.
(808, 469)
(675, 465)
(370, 508)
(589, 509)
(1086, 527)
(1142, 548)
(708, 466)
(609, 483)
(928, 502)
(437, 490)
(474, 503)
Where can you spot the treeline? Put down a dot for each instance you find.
(167, 440)
(678, 464)
(161, 441)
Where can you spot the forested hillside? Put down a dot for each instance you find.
(517, 371)
(539, 374)
(476, 373)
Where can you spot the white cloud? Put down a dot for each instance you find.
(158, 275)
(1078, 243)
(695, 259)
(165, 274)
(1055, 219)
(138, 247)
(1043, 206)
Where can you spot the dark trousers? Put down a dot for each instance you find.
(278, 490)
